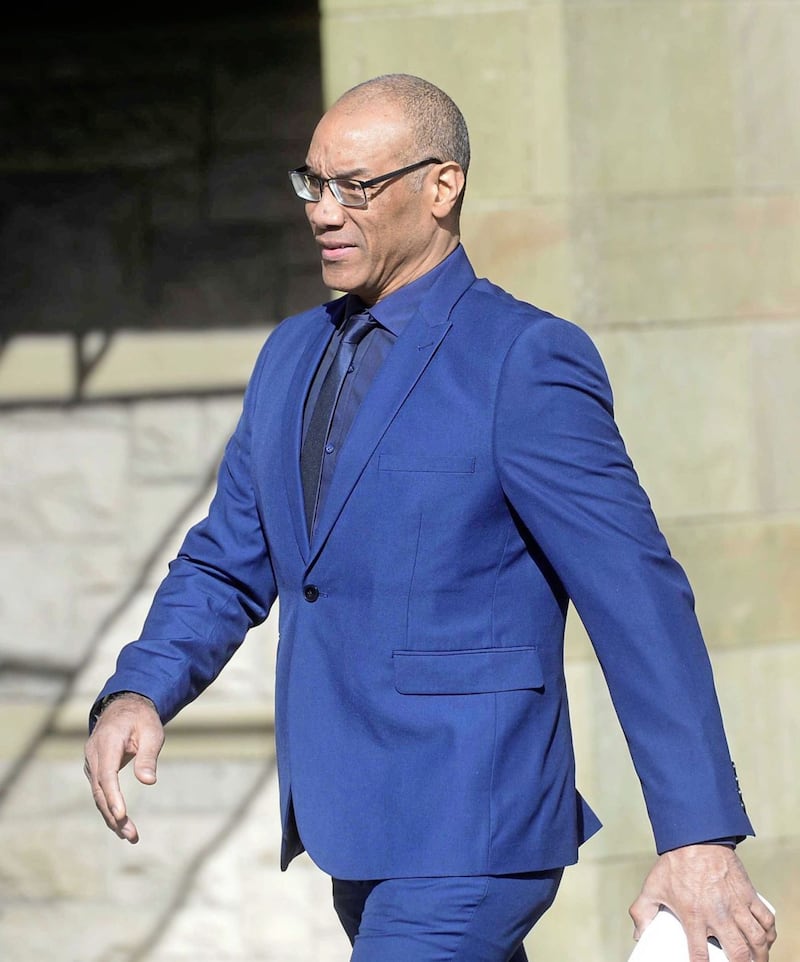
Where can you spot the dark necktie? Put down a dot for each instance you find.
(356, 327)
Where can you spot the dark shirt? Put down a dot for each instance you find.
(392, 314)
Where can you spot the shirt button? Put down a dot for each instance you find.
(329, 448)
(311, 593)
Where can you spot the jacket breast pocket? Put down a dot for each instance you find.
(467, 671)
(433, 464)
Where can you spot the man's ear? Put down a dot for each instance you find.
(449, 185)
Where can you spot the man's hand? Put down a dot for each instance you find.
(129, 727)
(707, 887)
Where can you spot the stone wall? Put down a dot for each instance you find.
(636, 168)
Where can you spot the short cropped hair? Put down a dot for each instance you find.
(437, 125)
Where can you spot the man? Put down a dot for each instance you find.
(425, 471)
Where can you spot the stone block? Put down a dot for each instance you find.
(758, 696)
(37, 626)
(63, 477)
(745, 578)
(62, 862)
(48, 784)
(138, 363)
(767, 84)
(107, 878)
(684, 406)
(102, 571)
(102, 648)
(604, 770)
(504, 97)
(528, 251)
(352, 9)
(650, 98)
(776, 363)
(37, 368)
(172, 846)
(550, 171)
(220, 415)
(686, 259)
(156, 509)
(167, 440)
(619, 882)
(577, 646)
(92, 929)
(589, 918)
(23, 722)
(240, 906)
(24, 687)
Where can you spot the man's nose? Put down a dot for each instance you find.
(327, 211)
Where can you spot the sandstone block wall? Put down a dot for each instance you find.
(636, 169)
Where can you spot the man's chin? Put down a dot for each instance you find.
(339, 280)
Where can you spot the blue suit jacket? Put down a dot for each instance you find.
(422, 725)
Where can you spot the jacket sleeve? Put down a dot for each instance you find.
(564, 468)
(219, 586)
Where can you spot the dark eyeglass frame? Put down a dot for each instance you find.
(333, 182)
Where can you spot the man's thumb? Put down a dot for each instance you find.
(144, 765)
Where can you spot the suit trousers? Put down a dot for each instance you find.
(462, 919)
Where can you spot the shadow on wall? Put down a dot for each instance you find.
(143, 176)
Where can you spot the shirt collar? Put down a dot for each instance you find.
(395, 311)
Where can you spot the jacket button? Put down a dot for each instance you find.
(311, 593)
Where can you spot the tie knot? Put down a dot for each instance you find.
(357, 325)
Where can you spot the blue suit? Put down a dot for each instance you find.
(422, 725)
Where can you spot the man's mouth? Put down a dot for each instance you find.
(334, 250)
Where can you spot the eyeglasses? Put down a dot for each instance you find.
(348, 192)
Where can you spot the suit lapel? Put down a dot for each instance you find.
(396, 379)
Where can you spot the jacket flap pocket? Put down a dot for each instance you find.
(467, 672)
(437, 464)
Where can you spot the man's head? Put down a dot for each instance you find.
(410, 222)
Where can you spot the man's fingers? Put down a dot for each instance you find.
(757, 928)
(107, 793)
(697, 940)
(121, 825)
(110, 802)
(110, 793)
(747, 931)
(737, 946)
(642, 911)
(765, 917)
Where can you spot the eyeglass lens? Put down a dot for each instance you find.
(310, 187)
